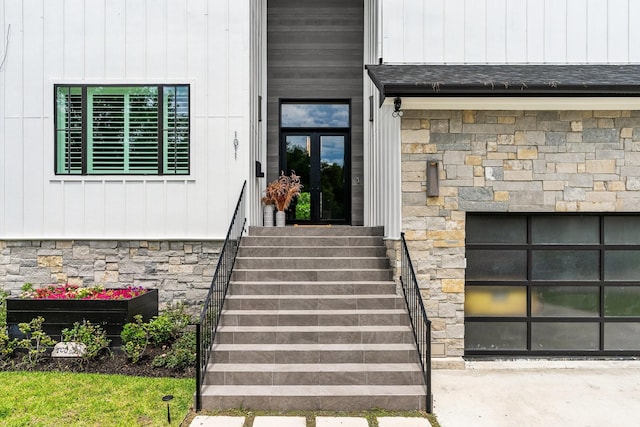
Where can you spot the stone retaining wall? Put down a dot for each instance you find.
(505, 161)
(181, 271)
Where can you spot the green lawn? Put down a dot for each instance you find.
(70, 399)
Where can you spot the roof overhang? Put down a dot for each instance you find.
(538, 85)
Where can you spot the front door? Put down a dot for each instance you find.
(319, 154)
(319, 159)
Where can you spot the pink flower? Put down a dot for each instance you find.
(67, 291)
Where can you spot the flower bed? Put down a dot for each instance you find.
(63, 305)
(76, 292)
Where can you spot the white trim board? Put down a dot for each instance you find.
(524, 103)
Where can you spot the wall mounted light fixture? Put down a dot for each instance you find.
(397, 104)
(433, 189)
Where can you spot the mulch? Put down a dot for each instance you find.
(114, 362)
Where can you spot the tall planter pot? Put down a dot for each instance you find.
(281, 219)
(268, 215)
(59, 314)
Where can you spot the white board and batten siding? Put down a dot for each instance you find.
(510, 31)
(199, 42)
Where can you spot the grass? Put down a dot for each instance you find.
(310, 416)
(43, 399)
(72, 399)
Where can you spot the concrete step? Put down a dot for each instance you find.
(321, 275)
(302, 263)
(312, 251)
(315, 397)
(308, 241)
(376, 334)
(313, 317)
(312, 320)
(313, 302)
(314, 374)
(314, 353)
(333, 230)
(299, 287)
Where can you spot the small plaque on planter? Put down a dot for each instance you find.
(69, 349)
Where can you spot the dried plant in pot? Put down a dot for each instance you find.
(269, 202)
(281, 193)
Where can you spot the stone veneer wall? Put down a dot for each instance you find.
(181, 271)
(505, 161)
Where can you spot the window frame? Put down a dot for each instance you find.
(161, 132)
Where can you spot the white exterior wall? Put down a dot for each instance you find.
(201, 42)
(258, 118)
(493, 31)
(510, 31)
(383, 191)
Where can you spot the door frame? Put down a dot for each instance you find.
(346, 131)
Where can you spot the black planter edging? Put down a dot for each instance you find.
(111, 315)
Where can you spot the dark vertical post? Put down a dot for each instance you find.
(428, 361)
(199, 367)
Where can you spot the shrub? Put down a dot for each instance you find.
(168, 326)
(6, 345)
(166, 329)
(3, 308)
(134, 337)
(181, 355)
(92, 336)
(36, 341)
(160, 330)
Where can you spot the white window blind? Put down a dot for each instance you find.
(122, 130)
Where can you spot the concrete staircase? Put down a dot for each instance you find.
(312, 321)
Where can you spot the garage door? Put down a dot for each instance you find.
(552, 285)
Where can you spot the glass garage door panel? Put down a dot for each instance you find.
(565, 301)
(565, 336)
(621, 230)
(495, 336)
(555, 230)
(622, 336)
(495, 301)
(496, 265)
(496, 229)
(622, 301)
(621, 265)
(565, 265)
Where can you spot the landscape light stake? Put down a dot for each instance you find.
(167, 399)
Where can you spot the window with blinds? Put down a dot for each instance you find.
(141, 130)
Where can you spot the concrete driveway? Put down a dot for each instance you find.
(539, 394)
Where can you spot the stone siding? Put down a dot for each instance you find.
(505, 161)
(181, 271)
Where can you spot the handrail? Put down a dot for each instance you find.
(212, 307)
(420, 323)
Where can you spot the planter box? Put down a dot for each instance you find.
(111, 315)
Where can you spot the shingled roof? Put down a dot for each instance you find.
(479, 80)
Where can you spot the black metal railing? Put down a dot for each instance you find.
(212, 307)
(418, 315)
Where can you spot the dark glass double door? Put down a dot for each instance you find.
(321, 159)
